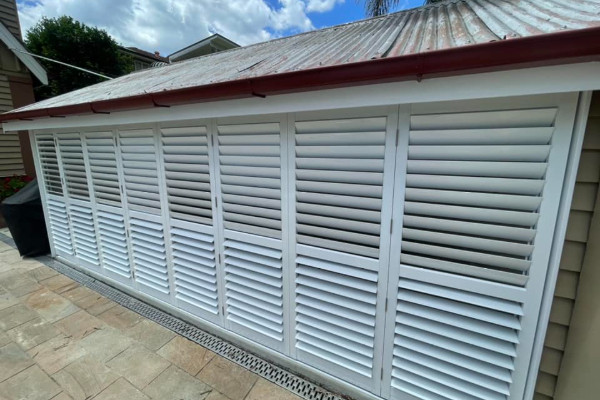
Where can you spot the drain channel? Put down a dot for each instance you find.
(265, 369)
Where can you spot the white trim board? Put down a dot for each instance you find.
(522, 82)
(17, 48)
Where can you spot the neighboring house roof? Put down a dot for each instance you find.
(145, 54)
(20, 51)
(216, 39)
(445, 38)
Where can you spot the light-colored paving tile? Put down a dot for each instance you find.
(27, 288)
(56, 353)
(216, 395)
(121, 390)
(5, 247)
(26, 264)
(120, 318)
(264, 389)
(13, 279)
(105, 343)
(187, 355)
(15, 316)
(57, 282)
(49, 305)
(33, 333)
(85, 378)
(176, 384)
(95, 304)
(150, 334)
(62, 396)
(78, 293)
(138, 365)
(41, 273)
(7, 300)
(79, 325)
(12, 361)
(9, 257)
(228, 378)
(4, 339)
(30, 384)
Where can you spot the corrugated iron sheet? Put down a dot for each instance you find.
(450, 24)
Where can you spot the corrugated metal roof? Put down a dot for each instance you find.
(450, 24)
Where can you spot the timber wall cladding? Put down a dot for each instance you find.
(279, 228)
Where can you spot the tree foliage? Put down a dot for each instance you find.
(69, 41)
(375, 8)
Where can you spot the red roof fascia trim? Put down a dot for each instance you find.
(558, 47)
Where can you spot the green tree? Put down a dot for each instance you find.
(375, 8)
(64, 39)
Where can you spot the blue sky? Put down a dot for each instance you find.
(168, 25)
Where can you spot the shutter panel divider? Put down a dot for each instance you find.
(290, 261)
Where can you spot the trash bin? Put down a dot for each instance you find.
(24, 218)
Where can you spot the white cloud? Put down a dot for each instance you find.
(169, 25)
(322, 5)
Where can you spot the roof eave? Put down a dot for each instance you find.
(549, 49)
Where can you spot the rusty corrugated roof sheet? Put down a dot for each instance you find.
(450, 24)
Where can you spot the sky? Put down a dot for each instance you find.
(169, 25)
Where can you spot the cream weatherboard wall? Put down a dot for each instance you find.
(566, 368)
(402, 249)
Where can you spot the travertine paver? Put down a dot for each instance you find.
(138, 365)
(150, 334)
(79, 325)
(62, 341)
(33, 333)
(85, 378)
(30, 384)
(186, 355)
(15, 316)
(228, 378)
(120, 318)
(56, 353)
(176, 384)
(264, 389)
(49, 305)
(121, 390)
(12, 361)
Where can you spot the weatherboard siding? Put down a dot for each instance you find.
(577, 246)
(11, 160)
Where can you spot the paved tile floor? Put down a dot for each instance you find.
(60, 340)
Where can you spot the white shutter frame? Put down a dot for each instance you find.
(529, 296)
(378, 265)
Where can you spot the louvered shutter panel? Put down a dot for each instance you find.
(339, 181)
(480, 202)
(59, 227)
(195, 269)
(73, 165)
(46, 150)
(113, 245)
(104, 176)
(249, 155)
(84, 236)
(140, 173)
(149, 255)
(185, 154)
(250, 167)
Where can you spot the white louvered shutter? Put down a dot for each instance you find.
(84, 236)
(140, 172)
(46, 149)
(59, 227)
(113, 245)
(481, 194)
(73, 165)
(186, 159)
(339, 172)
(250, 172)
(149, 255)
(102, 155)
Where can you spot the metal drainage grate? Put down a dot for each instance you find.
(281, 377)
